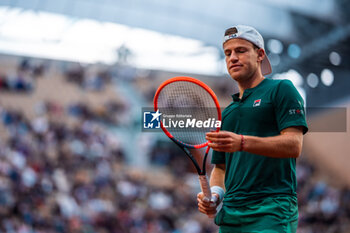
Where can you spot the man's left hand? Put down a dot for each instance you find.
(224, 141)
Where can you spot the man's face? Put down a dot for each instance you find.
(242, 59)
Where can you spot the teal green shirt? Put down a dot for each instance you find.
(263, 111)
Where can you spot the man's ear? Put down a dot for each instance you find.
(261, 54)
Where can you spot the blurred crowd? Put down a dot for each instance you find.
(110, 112)
(87, 77)
(322, 207)
(56, 177)
(23, 78)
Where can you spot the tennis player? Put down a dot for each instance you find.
(255, 152)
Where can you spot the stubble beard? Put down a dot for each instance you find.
(244, 77)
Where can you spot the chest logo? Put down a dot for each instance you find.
(257, 103)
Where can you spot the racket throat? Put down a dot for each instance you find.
(190, 156)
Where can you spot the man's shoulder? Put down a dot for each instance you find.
(279, 86)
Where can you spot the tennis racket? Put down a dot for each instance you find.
(191, 101)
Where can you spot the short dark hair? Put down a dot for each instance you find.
(255, 47)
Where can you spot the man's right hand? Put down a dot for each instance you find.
(208, 207)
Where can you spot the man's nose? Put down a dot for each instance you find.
(233, 57)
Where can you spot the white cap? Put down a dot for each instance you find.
(252, 35)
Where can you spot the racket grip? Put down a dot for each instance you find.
(203, 180)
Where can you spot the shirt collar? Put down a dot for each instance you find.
(246, 93)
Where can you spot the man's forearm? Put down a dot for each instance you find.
(217, 177)
(286, 145)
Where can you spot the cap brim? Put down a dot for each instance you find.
(266, 66)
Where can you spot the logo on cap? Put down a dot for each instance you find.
(232, 36)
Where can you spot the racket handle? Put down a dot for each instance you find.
(203, 180)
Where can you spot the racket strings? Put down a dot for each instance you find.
(188, 102)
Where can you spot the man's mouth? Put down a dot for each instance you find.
(235, 67)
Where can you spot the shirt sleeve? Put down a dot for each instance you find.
(218, 157)
(289, 107)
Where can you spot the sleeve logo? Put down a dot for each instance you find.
(295, 111)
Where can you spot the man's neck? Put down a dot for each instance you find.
(251, 83)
